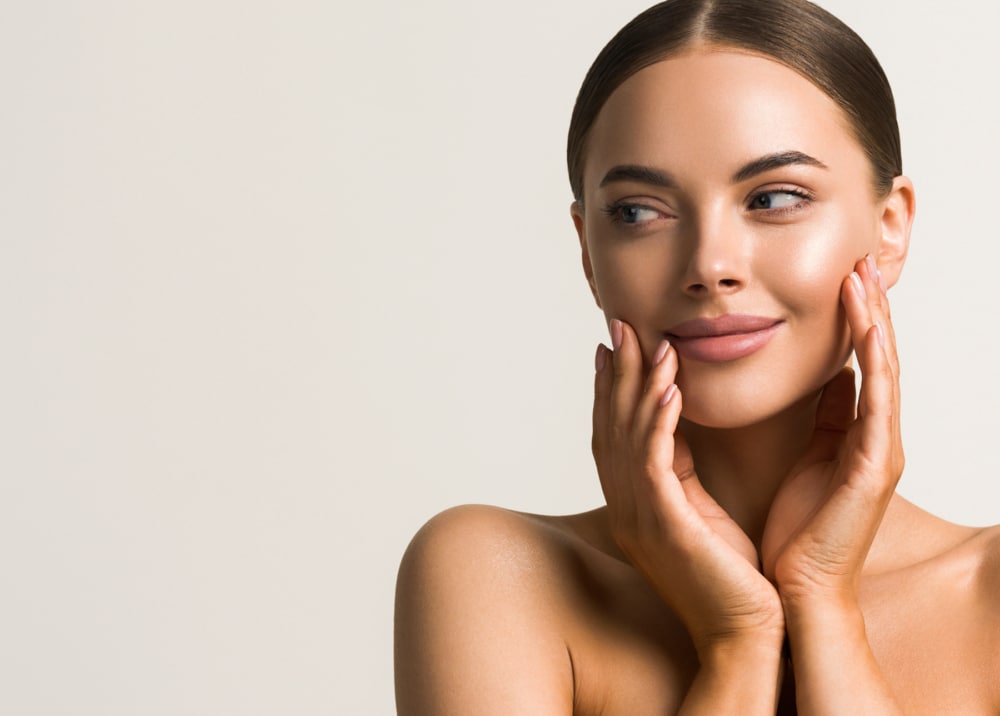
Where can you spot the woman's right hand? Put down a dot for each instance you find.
(685, 545)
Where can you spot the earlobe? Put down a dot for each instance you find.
(897, 218)
(576, 211)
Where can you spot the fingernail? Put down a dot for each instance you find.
(601, 358)
(881, 281)
(668, 394)
(881, 334)
(872, 266)
(661, 351)
(856, 279)
(616, 333)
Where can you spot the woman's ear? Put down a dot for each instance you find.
(897, 217)
(576, 211)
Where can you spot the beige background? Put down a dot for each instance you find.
(280, 280)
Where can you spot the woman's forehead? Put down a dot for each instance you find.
(712, 110)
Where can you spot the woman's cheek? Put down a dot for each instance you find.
(634, 286)
(814, 263)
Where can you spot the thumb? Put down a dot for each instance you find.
(834, 415)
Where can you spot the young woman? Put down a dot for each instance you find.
(742, 213)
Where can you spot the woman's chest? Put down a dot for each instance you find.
(632, 656)
(929, 635)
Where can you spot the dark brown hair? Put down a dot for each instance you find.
(796, 33)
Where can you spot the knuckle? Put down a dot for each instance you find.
(618, 433)
(651, 469)
(686, 473)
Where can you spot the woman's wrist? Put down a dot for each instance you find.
(722, 651)
(819, 607)
(737, 674)
(758, 625)
(823, 618)
(835, 669)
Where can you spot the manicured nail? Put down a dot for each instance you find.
(616, 333)
(881, 334)
(881, 282)
(661, 351)
(601, 357)
(872, 266)
(856, 279)
(668, 394)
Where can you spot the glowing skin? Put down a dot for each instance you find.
(726, 205)
(775, 245)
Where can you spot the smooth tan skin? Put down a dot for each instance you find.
(731, 519)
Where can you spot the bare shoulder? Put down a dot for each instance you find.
(987, 580)
(505, 612)
(990, 563)
(478, 527)
(468, 546)
(477, 625)
(987, 599)
(975, 610)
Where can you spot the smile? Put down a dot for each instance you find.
(722, 339)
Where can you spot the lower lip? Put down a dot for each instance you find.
(721, 349)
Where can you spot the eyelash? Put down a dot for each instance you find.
(613, 210)
(805, 196)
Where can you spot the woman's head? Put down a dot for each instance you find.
(719, 188)
(795, 33)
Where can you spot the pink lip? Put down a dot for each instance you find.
(726, 338)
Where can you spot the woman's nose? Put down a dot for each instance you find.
(718, 262)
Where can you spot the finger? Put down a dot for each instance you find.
(834, 415)
(627, 385)
(603, 377)
(661, 377)
(880, 445)
(878, 303)
(876, 378)
(888, 335)
(878, 404)
(875, 303)
(674, 489)
(659, 476)
(881, 282)
(835, 411)
(856, 296)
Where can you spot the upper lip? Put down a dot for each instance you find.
(729, 324)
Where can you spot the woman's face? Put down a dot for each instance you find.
(724, 186)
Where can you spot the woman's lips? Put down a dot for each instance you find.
(726, 338)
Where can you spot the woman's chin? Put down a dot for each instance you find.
(735, 411)
(729, 417)
(736, 396)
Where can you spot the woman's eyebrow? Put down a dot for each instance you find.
(774, 161)
(656, 177)
(637, 172)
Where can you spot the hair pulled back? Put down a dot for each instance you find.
(796, 33)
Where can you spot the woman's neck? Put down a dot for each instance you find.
(742, 468)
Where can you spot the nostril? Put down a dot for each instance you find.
(728, 282)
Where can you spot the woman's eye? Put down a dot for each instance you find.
(783, 199)
(631, 213)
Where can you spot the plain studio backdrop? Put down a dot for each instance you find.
(281, 280)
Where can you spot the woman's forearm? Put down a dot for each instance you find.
(835, 669)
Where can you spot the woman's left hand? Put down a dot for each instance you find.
(826, 514)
